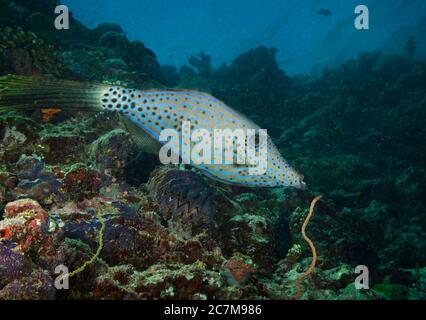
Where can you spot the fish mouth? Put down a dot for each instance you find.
(300, 184)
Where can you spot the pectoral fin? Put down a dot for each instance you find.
(142, 139)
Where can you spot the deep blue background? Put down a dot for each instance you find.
(176, 29)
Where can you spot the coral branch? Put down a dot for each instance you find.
(98, 251)
(311, 246)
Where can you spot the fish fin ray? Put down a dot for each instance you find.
(142, 139)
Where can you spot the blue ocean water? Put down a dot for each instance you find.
(175, 30)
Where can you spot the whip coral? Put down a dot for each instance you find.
(311, 268)
(98, 251)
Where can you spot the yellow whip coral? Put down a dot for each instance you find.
(311, 268)
(98, 251)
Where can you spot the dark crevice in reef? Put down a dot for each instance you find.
(140, 167)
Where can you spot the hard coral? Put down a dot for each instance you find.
(28, 223)
(24, 53)
(82, 182)
(237, 271)
(34, 182)
(185, 200)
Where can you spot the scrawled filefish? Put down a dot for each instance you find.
(147, 113)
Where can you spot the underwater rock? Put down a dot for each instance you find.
(294, 254)
(28, 223)
(2, 193)
(6, 182)
(114, 284)
(21, 123)
(392, 291)
(40, 189)
(132, 236)
(352, 293)
(296, 219)
(12, 14)
(24, 207)
(405, 247)
(336, 278)
(22, 52)
(39, 22)
(86, 65)
(237, 271)
(137, 239)
(115, 66)
(411, 183)
(12, 144)
(202, 62)
(418, 289)
(375, 212)
(36, 286)
(129, 237)
(74, 254)
(13, 264)
(34, 182)
(81, 182)
(170, 75)
(103, 28)
(185, 201)
(253, 236)
(143, 60)
(164, 282)
(112, 151)
(247, 199)
(43, 6)
(113, 40)
(29, 167)
(61, 148)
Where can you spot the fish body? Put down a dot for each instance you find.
(156, 110)
(152, 111)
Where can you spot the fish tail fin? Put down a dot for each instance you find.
(19, 93)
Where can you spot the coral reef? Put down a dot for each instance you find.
(74, 188)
